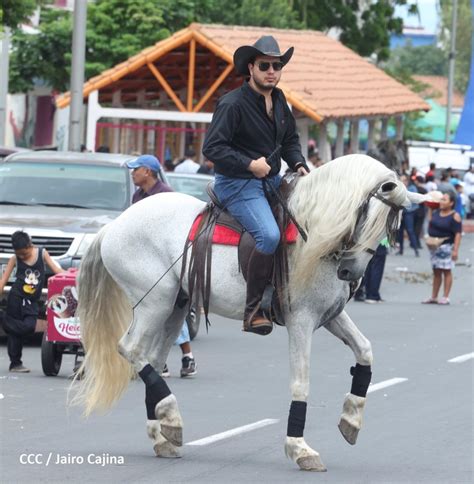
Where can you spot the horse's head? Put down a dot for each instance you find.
(374, 223)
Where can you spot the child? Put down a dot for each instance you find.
(22, 303)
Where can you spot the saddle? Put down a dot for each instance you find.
(215, 225)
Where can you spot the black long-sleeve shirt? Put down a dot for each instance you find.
(241, 131)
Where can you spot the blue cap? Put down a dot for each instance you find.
(148, 161)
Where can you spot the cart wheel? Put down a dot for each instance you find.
(193, 319)
(51, 357)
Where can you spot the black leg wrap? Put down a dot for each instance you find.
(296, 419)
(156, 390)
(361, 376)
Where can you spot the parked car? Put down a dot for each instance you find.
(8, 150)
(192, 184)
(62, 199)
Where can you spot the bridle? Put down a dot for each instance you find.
(349, 242)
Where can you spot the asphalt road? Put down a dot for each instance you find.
(419, 430)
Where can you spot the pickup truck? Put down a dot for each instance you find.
(62, 199)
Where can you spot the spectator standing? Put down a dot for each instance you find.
(459, 206)
(469, 190)
(444, 185)
(420, 213)
(431, 172)
(430, 183)
(22, 304)
(145, 176)
(369, 289)
(374, 274)
(408, 220)
(444, 223)
(188, 165)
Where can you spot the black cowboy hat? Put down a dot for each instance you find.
(266, 45)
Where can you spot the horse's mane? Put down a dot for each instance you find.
(326, 204)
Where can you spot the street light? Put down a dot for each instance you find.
(452, 55)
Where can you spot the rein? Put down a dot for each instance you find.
(362, 212)
(201, 232)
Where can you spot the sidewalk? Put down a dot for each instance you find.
(407, 279)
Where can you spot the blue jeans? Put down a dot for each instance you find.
(251, 208)
(183, 335)
(408, 224)
(374, 274)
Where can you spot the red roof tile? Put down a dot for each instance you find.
(324, 79)
(438, 90)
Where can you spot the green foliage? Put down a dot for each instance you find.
(464, 33)
(259, 13)
(116, 30)
(268, 13)
(46, 55)
(365, 27)
(427, 60)
(410, 129)
(16, 12)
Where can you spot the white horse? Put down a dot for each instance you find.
(344, 206)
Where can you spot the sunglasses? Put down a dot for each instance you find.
(264, 66)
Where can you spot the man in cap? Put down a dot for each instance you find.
(248, 125)
(145, 176)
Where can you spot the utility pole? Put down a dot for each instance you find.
(4, 66)
(452, 55)
(77, 73)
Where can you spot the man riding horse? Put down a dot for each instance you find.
(249, 124)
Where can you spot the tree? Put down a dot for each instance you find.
(46, 55)
(14, 12)
(410, 129)
(116, 30)
(428, 60)
(464, 34)
(365, 26)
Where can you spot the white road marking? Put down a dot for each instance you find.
(233, 432)
(385, 384)
(462, 358)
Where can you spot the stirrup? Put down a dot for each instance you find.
(262, 328)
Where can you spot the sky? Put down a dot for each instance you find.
(428, 15)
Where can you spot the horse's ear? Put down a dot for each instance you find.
(388, 186)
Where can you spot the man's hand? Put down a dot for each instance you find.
(260, 168)
(454, 255)
(302, 171)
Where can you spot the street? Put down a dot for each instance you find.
(417, 428)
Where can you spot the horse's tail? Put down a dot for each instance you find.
(104, 314)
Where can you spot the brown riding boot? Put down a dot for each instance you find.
(259, 273)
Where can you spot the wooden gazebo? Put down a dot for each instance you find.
(179, 79)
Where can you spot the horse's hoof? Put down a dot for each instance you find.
(172, 434)
(166, 449)
(348, 431)
(311, 463)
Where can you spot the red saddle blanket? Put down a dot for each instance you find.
(226, 236)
